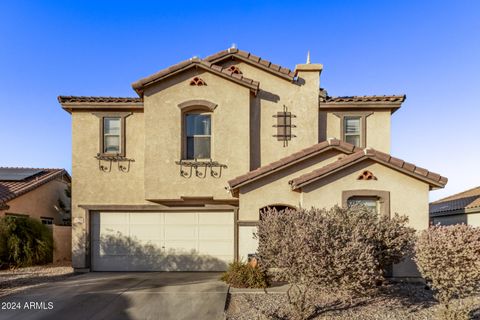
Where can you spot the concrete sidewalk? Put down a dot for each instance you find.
(108, 295)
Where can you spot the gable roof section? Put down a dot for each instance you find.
(290, 160)
(433, 179)
(234, 53)
(469, 199)
(140, 85)
(10, 190)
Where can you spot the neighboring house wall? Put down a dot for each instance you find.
(472, 219)
(41, 202)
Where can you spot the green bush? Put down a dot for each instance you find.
(244, 275)
(24, 242)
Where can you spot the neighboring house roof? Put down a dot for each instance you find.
(369, 99)
(469, 199)
(11, 188)
(434, 179)
(140, 85)
(292, 159)
(234, 53)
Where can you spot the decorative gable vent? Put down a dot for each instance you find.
(234, 69)
(284, 126)
(366, 175)
(197, 82)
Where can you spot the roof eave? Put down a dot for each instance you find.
(236, 55)
(140, 85)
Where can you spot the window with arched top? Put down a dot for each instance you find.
(278, 207)
(197, 129)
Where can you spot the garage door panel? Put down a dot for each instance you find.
(115, 231)
(155, 241)
(215, 218)
(146, 218)
(215, 248)
(219, 232)
(150, 231)
(111, 218)
(180, 246)
(181, 218)
(177, 232)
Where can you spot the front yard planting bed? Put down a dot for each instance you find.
(394, 301)
(15, 280)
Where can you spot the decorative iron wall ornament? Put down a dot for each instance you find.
(201, 168)
(105, 162)
(284, 126)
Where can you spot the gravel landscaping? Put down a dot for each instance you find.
(394, 301)
(23, 278)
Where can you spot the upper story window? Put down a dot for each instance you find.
(352, 130)
(198, 135)
(112, 135)
(353, 127)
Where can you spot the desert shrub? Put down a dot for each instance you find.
(24, 242)
(448, 257)
(244, 275)
(341, 249)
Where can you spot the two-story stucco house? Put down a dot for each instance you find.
(177, 178)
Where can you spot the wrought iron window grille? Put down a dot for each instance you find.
(201, 168)
(284, 126)
(105, 162)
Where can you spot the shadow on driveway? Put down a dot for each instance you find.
(147, 295)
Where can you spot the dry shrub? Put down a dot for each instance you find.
(341, 249)
(448, 257)
(245, 275)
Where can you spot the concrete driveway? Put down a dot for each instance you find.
(110, 295)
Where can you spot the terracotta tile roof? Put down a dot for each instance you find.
(364, 99)
(432, 178)
(89, 99)
(291, 159)
(254, 60)
(468, 199)
(10, 190)
(139, 85)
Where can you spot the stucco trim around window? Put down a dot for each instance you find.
(363, 115)
(122, 116)
(383, 198)
(197, 103)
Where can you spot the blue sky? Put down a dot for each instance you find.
(429, 50)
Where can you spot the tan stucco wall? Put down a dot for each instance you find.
(41, 202)
(301, 101)
(163, 123)
(377, 133)
(92, 186)
(275, 189)
(408, 196)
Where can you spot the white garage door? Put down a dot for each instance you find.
(162, 241)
